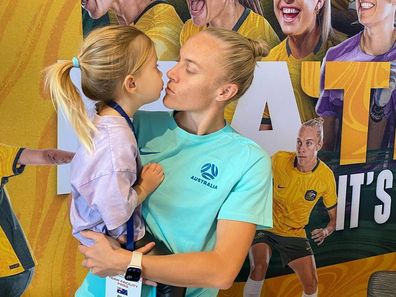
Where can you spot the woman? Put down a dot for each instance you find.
(158, 19)
(300, 181)
(219, 187)
(376, 43)
(307, 24)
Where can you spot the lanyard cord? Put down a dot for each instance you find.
(130, 245)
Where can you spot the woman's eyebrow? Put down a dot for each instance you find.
(192, 62)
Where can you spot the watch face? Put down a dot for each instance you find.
(133, 274)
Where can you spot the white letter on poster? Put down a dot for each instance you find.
(271, 85)
(384, 181)
(356, 182)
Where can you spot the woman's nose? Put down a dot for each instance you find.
(172, 73)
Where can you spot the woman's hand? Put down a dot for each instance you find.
(319, 235)
(104, 258)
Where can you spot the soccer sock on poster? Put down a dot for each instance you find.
(252, 288)
(310, 295)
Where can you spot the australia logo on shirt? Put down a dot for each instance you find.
(310, 195)
(209, 172)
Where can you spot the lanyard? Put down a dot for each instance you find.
(130, 245)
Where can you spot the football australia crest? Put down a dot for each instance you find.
(310, 195)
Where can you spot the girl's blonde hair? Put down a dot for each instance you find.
(106, 57)
(240, 56)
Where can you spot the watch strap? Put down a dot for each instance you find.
(136, 260)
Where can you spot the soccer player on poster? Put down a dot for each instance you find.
(300, 181)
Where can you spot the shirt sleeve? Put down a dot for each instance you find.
(112, 196)
(330, 196)
(330, 101)
(251, 198)
(271, 37)
(9, 156)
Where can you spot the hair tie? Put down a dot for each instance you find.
(75, 62)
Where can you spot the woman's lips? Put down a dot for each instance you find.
(366, 5)
(169, 90)
(196, 7)
(289, 13)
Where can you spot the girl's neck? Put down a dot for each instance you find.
(200, 123)
(377, 40)
(228, 17)
(127, 105)
(304, 44)
(127, 11)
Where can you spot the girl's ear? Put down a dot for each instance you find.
(129, 84)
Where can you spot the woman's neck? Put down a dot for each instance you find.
(228, 17)
(307, 167)
(200, 123)
(304, 44)
(377, 40)
(127, 11)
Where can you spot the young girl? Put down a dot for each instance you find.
(116, 64)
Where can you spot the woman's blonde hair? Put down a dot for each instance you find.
(239, 59)
(316, 123)
(324, 22)
(106, 57)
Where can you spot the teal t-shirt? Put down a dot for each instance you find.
(219, 176)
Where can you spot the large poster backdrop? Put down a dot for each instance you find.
(359, 151)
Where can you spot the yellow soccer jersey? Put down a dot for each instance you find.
(305, 103)
(162, 24)
(15, 253)
(251, 25)
(295, 193)
(7, 157)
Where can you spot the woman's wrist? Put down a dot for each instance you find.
(122, 260)
(328, 230)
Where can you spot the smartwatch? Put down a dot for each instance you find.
(134, 270)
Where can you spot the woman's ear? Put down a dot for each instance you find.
(319, 6)
(227, 92)
(129, 84)
(319, 145)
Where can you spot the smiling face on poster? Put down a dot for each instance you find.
(297, 17)
(376, 12)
